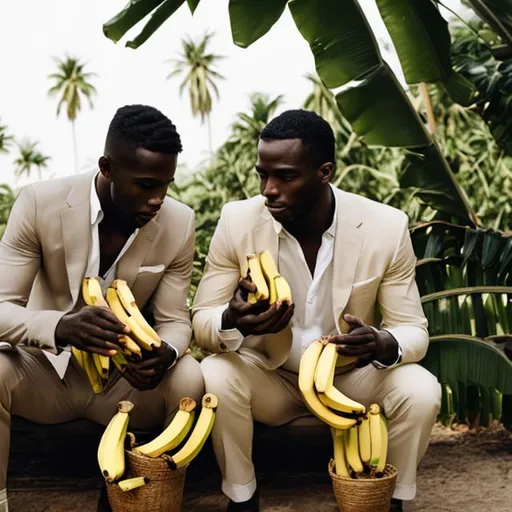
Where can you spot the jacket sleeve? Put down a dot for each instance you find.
(400, 303)
(219, 281)
(20, 261)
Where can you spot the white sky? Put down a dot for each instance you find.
(32, 31)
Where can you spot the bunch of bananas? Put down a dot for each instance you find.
(316, 383)
(121, 301)
(181, 425)
(361, 450)
(270, 285)
(111, 456)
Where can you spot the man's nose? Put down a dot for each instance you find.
(156, 200)
(270, 189)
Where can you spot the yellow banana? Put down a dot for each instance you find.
(95, 293)
(102, 364)
(324, 374)
(283, 290)
(256, 274)
(133, 483)
(85, 291)
(119, 361)
(141, 337)
(251, 298)
(336, 400)
(378, 457)
(111, 447)
(175, 432)
(199, 434)
(79, 356)
(129, 346)
(352, 450)
(384, 447)
(130, 305)
(339, 453)
(307, 369)
(270, 272)
(365, 447)
(92, 373)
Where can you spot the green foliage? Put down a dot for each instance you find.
(5, 139)
(29, 158)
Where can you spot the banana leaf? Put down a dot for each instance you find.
(498, 14)
(136, 10)
(422, 41)
(160, 15)
(192, 5)
(251, 20)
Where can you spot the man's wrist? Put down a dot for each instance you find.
(390, 353)
(227, 323)
(175, 358)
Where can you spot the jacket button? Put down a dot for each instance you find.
(223, 347)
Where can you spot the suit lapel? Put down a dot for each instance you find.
(76, 232)
(347, 246)
(132, 259)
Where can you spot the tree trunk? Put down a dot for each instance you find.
(74, 145)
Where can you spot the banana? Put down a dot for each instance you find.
(352, 450)
(384, 448)
(129, 346)
(133, 483)
(119, 361)
(324, 374)
(92, 373)
(336, 400)
(375, 435)
(175, 432)
(142, 338)
(365, 448)
(283, 290)
(102, 364)
(307, 369)
(200, 433)
(95, 294)
(251, 298)
(79, 356)
(270, 272)
(262, 291)
(130, 305)
(340, 463)
(111, 447)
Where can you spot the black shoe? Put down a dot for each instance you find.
(103, 503)
(396, 505)
(252, 505)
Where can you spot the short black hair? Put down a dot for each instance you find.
(313, 130)
(145, 127)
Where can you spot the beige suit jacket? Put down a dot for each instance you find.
(44, 254)
(374, 275)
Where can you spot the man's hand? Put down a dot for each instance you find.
(147, 373)
(366, 343)
(257, 319)
(93, 329)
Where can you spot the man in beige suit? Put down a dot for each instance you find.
(115, 224)
(345, 258)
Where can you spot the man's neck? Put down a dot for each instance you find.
(318, 220)
(111, 221)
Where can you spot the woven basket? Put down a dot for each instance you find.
(163, 492)
(363, 494)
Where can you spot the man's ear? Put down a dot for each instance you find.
(327, 171)
(105, 166)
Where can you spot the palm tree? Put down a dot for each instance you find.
(5, 139)
(197, 66)
(29, 157)
(71, 83)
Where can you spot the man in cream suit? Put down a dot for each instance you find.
(346, 258)
(115, 224)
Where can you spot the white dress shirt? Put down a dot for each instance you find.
(312, 294)
(60, 362)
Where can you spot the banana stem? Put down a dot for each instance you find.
(428, 106)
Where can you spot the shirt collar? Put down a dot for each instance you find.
(331, 231)
(96, 211)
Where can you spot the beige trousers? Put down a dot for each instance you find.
(31, 388)
(409, 395)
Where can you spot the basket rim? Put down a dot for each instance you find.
(363, 481)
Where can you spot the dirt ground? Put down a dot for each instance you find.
(463, 470)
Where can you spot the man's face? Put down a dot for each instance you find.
(138, 183)
(290, 182)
